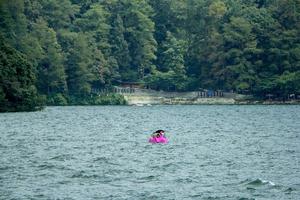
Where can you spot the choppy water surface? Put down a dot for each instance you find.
(215, 152)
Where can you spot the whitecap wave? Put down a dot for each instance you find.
(260, 181)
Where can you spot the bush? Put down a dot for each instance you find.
(17, 81)
(108, 99)
(57, 100)
(105, 99)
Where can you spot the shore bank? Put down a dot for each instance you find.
(150, 100)
(176, 98)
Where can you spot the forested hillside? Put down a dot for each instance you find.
(66, 48)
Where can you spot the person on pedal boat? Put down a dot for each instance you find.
(158, 133)
(158, 137)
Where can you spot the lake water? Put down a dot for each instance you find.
(102, 152)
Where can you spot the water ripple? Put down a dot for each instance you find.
(101, 152)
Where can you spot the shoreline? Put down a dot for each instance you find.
(257, 102)
(141, 100)
(242, 103)
(144, 100)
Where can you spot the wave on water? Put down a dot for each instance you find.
(87, 175)
(259, 182)
(260, 185)
(4, 168)
(81, 162)
(290, 190)
(146, 178)
(62, 157)
(101, 159)
(46, 166)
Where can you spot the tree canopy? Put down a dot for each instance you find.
(71, 47)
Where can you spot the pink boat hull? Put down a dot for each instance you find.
(158, 140)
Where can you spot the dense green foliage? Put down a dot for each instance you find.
(17, 82)
(103, 99)
(249, 46)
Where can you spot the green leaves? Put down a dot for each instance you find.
(17, 82)
(59, 13)
(217, 9)
(173, 73)
(51, 72)
(75, 46)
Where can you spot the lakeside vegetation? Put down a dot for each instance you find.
(93, 99)
(56, 52)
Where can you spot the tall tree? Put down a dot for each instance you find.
(59, 13)
(172, 73)
(51, 72)
(119, 46)
(139, 35)
(17, 81)
(79, 66)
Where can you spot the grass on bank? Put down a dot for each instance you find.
(104, 99)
